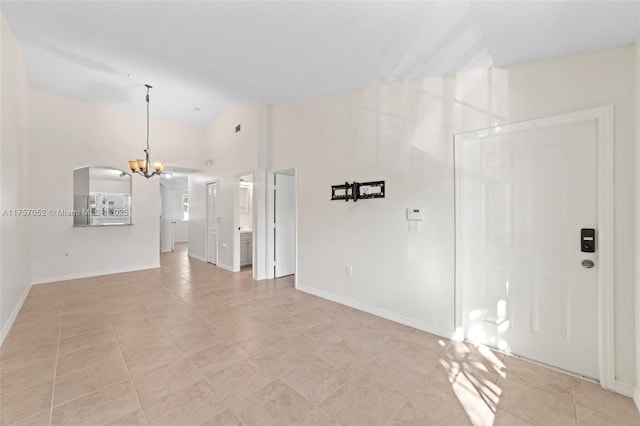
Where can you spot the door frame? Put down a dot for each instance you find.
(206, 222)
(270, 240)
(605, 224)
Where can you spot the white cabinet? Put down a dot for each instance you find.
(246, 248)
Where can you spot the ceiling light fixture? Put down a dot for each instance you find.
(141, 166)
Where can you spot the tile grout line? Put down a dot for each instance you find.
(357, 378)
(226, 405)
(392, 418)
(277, 378)
(187, 356)
(89, 393)
(55, 369)
(515, 415)
(135, 391)
(352, 378)
(573, 398)
(163, 327)
(271, 380)
(88, 366)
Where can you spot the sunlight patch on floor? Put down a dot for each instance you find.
(472, 371)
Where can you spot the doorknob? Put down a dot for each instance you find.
(587, 263)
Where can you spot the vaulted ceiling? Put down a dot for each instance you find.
(213, 55)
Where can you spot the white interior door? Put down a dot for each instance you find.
(212, 223)
(285, 225)
(523, 193)
(179, 226)
(166, 221)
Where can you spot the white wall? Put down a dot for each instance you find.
(234, 155)
(403, 134)
(15, 232)
(66, 134)
(636, 395)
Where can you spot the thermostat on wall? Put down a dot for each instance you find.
(414, 214)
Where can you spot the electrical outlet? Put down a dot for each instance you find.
(349, 270)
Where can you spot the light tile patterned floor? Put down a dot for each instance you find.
(191, 344)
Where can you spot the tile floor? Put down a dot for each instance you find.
(191, 344)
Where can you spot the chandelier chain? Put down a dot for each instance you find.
(143, 166)
(148, 87)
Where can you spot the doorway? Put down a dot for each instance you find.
(174, 204)
(283, 221)
(244, 240)
(174, 207)
(528, 197)
(212, 221)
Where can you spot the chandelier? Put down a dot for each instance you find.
(141, 166)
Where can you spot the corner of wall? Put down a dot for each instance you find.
(14, 314)
(636, 395)
(15, 244)
(234, 153)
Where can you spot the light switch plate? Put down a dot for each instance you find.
(414, 226)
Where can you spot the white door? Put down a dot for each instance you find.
(285, 225)
(523, 194)
(166, 220)
(179, 225)
(212, 223)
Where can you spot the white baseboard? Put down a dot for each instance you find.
(636, 398)
(226, 267)
(197, 257)
(93, 274)
(420, 325)
(14, 315)
(624, 389)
